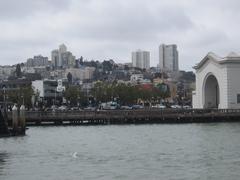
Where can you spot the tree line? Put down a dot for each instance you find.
(124, 94)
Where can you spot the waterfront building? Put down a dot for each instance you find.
(217, 82)
(14, 85)
(141, 59)
(168, 58)
(48, 89)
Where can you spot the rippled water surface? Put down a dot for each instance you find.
(187, 151)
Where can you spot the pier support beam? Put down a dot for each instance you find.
(14, 118)
(22, 119)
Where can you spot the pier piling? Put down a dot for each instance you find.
(14, 118)
(22, 119)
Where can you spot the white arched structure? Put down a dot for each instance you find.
(210, 91)
(217, 82)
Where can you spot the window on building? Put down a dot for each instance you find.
(238, 98)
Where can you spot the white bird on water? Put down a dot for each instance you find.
(74, 155)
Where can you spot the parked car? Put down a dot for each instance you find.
(176, 106)
(126, 107)
(54, 107)
(137, 106)
(63, 108)
(90, 108)
(160, 106)
(109, 105)
(187, 107)
(74, 108)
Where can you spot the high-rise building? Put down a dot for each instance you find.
(62, 50)
(55, 58)
(141, 59)
(37, 61)
(62, 58)
(168, 57)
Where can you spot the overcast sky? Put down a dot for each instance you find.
(111, 29)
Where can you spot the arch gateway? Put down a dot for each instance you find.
(217, 82)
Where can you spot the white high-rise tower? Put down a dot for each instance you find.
(141, 59)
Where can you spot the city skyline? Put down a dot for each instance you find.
(101, 30)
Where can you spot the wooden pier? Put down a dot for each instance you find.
(13, 126)
(143, 116)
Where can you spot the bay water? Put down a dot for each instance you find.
(169, 151)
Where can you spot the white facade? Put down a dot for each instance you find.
(27, 69)
(218, 82)
(168, 57)
(6, 71)
(141, 59)
(81, 73)
(38, 87)
(136, 77)
(48, 88)
(139, 79)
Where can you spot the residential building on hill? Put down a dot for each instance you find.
(61, 58)
(37, 61)
(83, 73)
(6, 71)
(141, 59)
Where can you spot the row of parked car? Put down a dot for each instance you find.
(175, 106)
(114, 106)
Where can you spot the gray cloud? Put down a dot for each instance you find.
(101, 29)
(20, 9)
(137, 22)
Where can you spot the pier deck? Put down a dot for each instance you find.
(143, 116)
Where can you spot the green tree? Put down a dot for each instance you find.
(100, 92)
(18, 71)
(162, 91)
(72, 94)
(107, 66)
(70, 78)
(21, 96)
